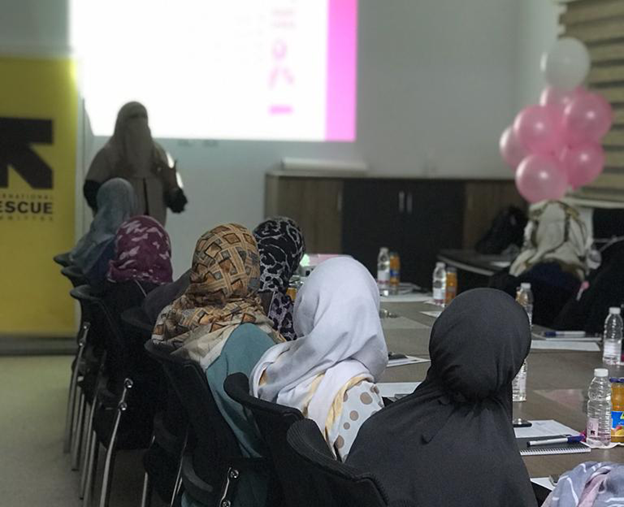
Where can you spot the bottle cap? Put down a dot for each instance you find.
(601, 372)
(615, 310)
(525, 285)
(451, 269)
(440, 265)
(384, 248)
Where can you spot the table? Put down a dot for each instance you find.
(556, 386)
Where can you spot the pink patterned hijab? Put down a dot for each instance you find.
(142, 252)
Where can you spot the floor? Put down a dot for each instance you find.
(34, 472)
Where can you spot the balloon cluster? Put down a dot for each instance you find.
(556, 144)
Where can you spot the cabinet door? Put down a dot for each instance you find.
(314, 203)
(373, 212)
(433, 221)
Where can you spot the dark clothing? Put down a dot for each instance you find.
(551, 286)
(451, 443)
(164, 295)
(604, 288)
(96, 276)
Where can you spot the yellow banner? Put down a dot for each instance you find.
(38, 118)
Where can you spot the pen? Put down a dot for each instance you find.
(554, 441)
(564, 334)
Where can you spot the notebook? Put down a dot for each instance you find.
(543, 450)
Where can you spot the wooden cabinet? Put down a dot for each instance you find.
(415, 217)
(314, 203)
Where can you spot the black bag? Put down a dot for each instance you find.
(507, 229)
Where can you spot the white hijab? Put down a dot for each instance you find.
(555, 233)
(336, 318)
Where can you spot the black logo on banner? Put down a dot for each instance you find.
(16, 137)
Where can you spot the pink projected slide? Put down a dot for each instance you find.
(209, 69)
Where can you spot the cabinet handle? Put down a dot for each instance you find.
(409, 203)
(401, 201)
(339, 202)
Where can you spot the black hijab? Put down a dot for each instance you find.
(451, 443)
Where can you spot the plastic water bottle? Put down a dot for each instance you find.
(383, 271)
(599, 409)
(524, 297)
(612, 337)
(519, 385)
(439, 284)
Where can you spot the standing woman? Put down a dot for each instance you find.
(329, 372)
(133, 155)
(281, 246)
(116, 202)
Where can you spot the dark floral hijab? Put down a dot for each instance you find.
(142, 252)
(281, 246)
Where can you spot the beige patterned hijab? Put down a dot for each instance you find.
(222, 295)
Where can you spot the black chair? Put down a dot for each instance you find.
(62, 259)
(74, 275)
(213, 465)
(118, 398)
(273, 421)
(334, 483)
(163, 459)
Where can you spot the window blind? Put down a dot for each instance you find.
(600, 25)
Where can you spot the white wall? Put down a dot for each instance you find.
(438, 82)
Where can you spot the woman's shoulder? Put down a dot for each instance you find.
(251, 332)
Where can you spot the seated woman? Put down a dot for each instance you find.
(281, 246)
(219, 323)
(163, 296)
(329, 372)
(452, 442)
(116, 202)
(552, 260)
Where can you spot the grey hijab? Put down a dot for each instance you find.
(116, 203)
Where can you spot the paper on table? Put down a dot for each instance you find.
(407, 360)
(392, 389)
(401, 323)
(544, 482)
(564, 345)
(545, 428)
(435, 315)
(415, 297)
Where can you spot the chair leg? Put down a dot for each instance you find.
(77, 438)
(84, 471)
(73, 384)
(109, 464)
(178, 481)
(146, 496)
(94, 449)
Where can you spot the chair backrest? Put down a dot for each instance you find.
(335, 484)
(273, 421)
(106, 332)
(62, 259)
(75, 275)
(215, 447)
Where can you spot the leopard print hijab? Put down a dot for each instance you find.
(281, 246)
(222, 295)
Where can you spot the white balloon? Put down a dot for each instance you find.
(567, 64)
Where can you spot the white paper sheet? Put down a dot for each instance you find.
(544, 428)
(414, 297)
(392, 389)
(401, 323)
(544, 482)
(435, 315)
(407, 360)
(564, 345)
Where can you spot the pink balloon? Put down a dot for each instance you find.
(511, 150)
(587, 118)
(538, 129)
(541, 177)
(560, 98)
(583, 163)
